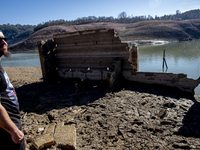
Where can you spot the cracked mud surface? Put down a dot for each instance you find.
(130, 116)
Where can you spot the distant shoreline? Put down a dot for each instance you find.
(26, 51)
(134, 42)
(149, 42)
(153, 42)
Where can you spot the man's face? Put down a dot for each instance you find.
(3, 46)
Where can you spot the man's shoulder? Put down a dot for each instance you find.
(1, 69)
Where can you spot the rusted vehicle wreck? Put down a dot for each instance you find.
(100, 55)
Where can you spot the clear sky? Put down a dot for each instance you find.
(33, 12)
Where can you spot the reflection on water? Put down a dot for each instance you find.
(181, 57)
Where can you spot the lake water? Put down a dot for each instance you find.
(181, 57)
(22, 59)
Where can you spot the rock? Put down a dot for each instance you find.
(50, 129)
(181, 145)
(65, 136)
(42, 141)
(162, 113)
(51, 115)
(40, 129)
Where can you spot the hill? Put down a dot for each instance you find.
(168, 30)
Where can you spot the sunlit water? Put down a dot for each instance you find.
(181, 57)
(22, 59)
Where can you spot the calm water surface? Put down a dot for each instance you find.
(22, 59)
(181, 57)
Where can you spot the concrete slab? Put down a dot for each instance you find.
(42, 141)
(65, 136)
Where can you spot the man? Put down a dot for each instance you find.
(11, 136)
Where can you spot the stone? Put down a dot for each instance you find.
(148, 104)
(112, 133)
(50, 129)
(51, 148)
(181, 146)
(42, 141)
(65, 136)
(51, 115)
(162, 113)
(40, 130)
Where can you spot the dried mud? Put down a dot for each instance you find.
(130, 116)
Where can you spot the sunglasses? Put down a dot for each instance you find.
(1, 39)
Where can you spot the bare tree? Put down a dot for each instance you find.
(122, 15)
(178, 12)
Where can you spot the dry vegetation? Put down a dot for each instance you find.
(165, 30)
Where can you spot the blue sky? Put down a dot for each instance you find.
(33, 12)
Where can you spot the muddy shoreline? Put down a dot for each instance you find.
(130, 116)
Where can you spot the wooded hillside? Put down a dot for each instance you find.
(180, 26)
(144, 30)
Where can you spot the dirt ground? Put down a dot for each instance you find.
(129, 117)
